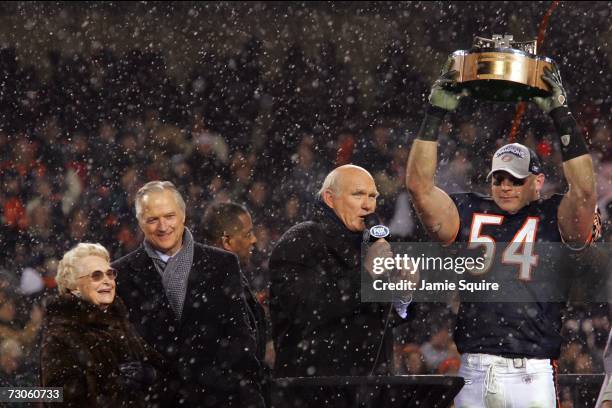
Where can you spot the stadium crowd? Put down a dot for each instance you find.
(74, 150)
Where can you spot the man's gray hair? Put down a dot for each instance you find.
(331, 180)
(70, 266)
(157, 187)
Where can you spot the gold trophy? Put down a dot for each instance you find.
(501, 69)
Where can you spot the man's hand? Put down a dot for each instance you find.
(557, 97)
(443, 94)
(379, 249)
(382, 249)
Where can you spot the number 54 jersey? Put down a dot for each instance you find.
(519, 319)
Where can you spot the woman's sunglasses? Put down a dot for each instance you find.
(97, 276)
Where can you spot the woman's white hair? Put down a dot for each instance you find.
(158, 187)
(69, 268)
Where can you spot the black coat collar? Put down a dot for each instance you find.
(342, 242)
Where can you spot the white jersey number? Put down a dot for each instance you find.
(520, 251)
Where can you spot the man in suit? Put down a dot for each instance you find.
(186, 300)
(229, 226)
(320, 325)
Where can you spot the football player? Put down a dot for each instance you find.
(508, 350)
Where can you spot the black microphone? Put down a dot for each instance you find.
(374, 229)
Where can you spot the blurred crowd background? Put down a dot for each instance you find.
(256, 104)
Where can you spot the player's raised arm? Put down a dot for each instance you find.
(577, 209)
(435, 208)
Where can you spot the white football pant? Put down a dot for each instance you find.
(499, 382)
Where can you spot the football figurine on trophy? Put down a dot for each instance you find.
(501, 69)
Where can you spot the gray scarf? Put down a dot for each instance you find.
(175, 273)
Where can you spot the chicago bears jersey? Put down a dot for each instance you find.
(529, 327)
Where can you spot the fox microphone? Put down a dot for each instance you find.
(374, 229)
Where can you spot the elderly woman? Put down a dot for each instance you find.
(89, 347)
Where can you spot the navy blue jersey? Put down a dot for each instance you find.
(511, 329)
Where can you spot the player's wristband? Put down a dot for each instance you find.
(431, 123)
(572, 142)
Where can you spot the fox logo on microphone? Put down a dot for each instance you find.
(379, 231)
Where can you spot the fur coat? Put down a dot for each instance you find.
(82, 349)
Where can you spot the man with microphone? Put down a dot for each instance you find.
(320, 325)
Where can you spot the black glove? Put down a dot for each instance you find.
(137, 374)
(557, 97)
(444, 94)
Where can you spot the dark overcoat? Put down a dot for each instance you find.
(82, 348)
(212, 346)
(320, 325)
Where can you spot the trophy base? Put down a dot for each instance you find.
(501, 75)
(501, 90)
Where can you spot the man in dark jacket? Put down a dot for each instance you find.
(319, 323)
(186, 299)
(229, 226)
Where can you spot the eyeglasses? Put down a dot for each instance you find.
(499, 178)
(97, 276)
